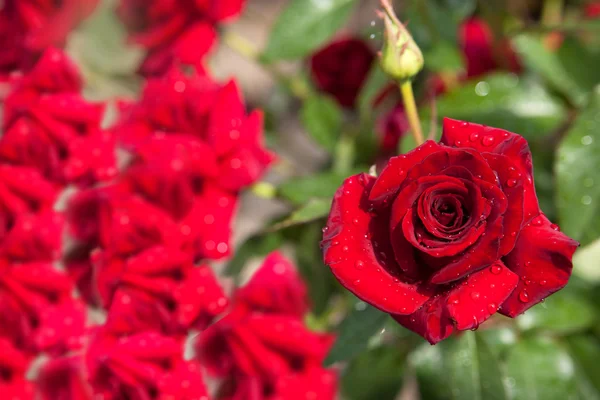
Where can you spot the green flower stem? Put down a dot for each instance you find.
(344, 154)
(552, 12)
(411, 111)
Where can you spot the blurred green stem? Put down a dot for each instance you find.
(410, 107)
(552, 12)
(344, 154)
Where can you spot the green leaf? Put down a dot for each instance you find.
(461, 367)
(561, 68)
(322, 119)
(374, 374)
(578, 184)
(100, 43)
(376, 81)
(256, 246)
(517, 104)
(321, 282)
(444, 56)
(500, 340)
(304, 25)
(585, 350)
(585, 262)
(562, 313)
(325, 184)
(354, 332)
(311, 211)
(539, 369)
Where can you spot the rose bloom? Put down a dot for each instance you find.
(27, 27)
(340, 69)
(448, 234)
(175, 31)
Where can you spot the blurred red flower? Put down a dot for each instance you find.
(175, 31)
(49, 126)
(341, 68)
(28, 27)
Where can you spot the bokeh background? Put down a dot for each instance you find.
(529, 66)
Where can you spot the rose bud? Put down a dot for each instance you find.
(400, 57)
(448, 234)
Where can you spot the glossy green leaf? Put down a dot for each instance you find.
(561, 68)
(562, 313)
(304, 25)
(539, 369)
(507, 101)
(461, 367)
(325, 184)
(311, 211)
(578, 184)
(354, 332)
(444, 56)
(585, 350)
(322, 118)
(374, 374)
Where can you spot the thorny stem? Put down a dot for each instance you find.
(411, 111)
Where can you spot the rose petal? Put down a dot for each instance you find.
(351, 255)
(542, 258)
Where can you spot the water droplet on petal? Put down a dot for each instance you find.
(473, 136)
(543, 282)
(555, 227)
(492, 308)
(524, 296)
(487, 140)
(495, 269)
(511, 183)
(537, 221)
(475, 296)
(359, 264)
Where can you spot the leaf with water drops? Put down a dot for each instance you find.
(561, 68)
(462, 367)
(355, 331)
(578, 184)
(305, 25)
(563, 313)
(539, 369)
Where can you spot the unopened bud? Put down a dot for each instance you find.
(400, 57)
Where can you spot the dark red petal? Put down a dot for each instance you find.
(351, 255)
(542, 258)
(498, 141)
(464, 306)
(394, 174)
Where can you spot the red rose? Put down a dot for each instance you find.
(275, 288)
(27, 27)
(341, 68)
(49, 126)
(13, 368)
(175, 31)
(263, 346)
(36, 306)
(448, 234)
(592, 10)
(140, 366)
(483, 53)
(63, 378)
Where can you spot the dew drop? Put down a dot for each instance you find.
(524, 296)
(586, 200)
(492, 308)
(356, 282)
(513, 234)
(495, 269)
(345, 249)
(555, 227)
(325, 229)
(543, 282)
(537, 221)
(473, 136)
(487, 140)
(359, 264)
(475, 296)
(511, 183)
